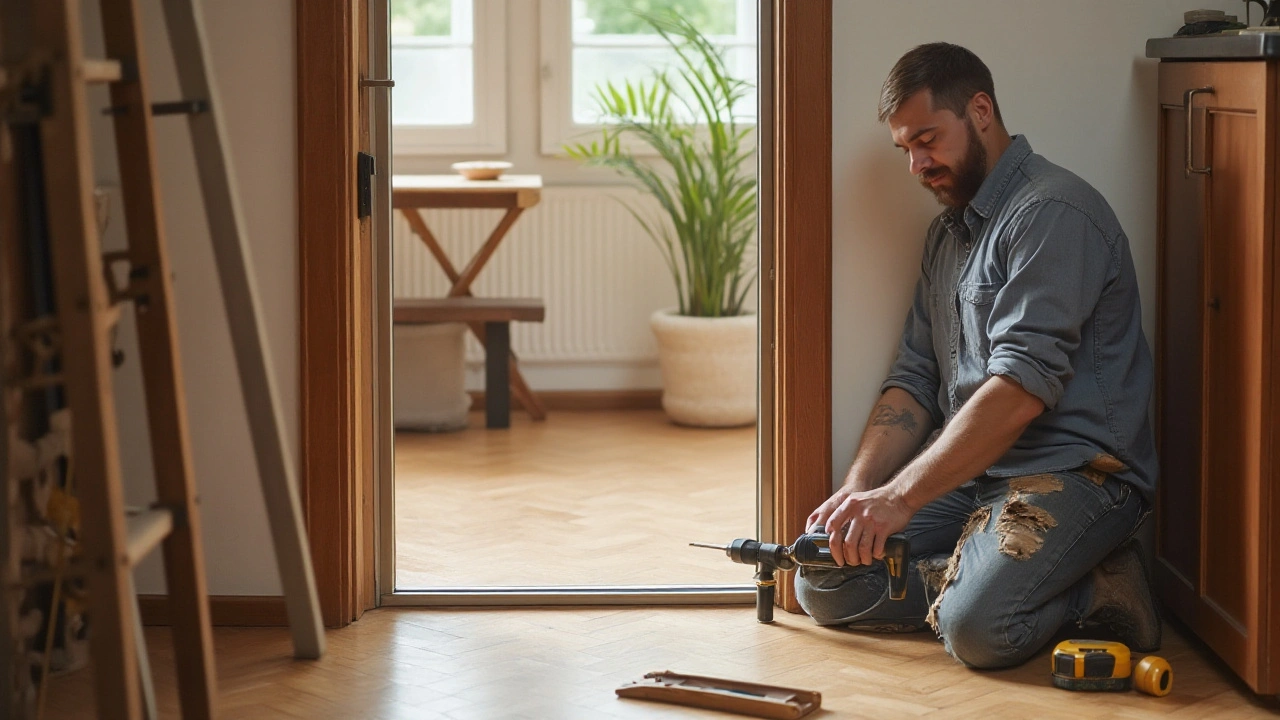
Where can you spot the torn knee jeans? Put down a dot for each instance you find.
(997, 565)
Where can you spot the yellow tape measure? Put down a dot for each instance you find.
(1099, 665)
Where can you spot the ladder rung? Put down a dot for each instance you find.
(75, 568)
(41, 381)
(113, 315)
(102, 71)
(146, 529)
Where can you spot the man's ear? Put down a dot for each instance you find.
(981, 111)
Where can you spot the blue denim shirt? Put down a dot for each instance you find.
(1033, 281)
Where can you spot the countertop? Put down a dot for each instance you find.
(1243, 46)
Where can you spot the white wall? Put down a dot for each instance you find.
(1071, 76)
(252, 43)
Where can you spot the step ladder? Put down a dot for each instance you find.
(45, 75)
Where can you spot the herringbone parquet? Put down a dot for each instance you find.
(612, 498)
(585, 498)
(552, 664)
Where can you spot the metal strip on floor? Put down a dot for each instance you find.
(573, 595)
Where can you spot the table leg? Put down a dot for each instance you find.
(419, 227)
(462, 285)
(497, 388)
(528, 400)
(519, 387)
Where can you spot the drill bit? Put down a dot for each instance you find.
(709, 545)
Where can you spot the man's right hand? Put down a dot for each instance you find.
(858, 523)
(853, 482)
(817, 521)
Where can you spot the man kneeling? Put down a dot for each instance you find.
(1024, 349)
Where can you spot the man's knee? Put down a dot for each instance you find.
(983, 639)
(832, 597)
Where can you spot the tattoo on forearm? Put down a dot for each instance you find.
(904, 419)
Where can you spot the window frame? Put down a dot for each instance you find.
(487, 134)
(556, 81)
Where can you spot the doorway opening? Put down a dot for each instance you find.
(592, 493)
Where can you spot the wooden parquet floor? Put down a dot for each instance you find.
(612, 498)
(585, 498)
(549, 664)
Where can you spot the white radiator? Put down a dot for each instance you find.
(579, 250)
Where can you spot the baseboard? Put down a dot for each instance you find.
(224, 610)
(582, 400)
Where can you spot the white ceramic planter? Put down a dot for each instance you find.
(708, 368)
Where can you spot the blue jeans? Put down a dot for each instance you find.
(998, 565)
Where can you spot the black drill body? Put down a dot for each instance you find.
(809, 550)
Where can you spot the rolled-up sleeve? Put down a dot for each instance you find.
(916, 367)
(1057, 263)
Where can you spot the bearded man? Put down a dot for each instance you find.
(1024, 350)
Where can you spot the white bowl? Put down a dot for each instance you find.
(481, 169)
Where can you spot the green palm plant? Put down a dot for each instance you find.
(707, 189)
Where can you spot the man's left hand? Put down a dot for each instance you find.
(871, 517)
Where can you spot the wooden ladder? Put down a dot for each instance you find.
(88, 307)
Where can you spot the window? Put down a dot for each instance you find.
(449, 59)
(585, 42)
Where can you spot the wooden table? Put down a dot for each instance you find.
(514, 193)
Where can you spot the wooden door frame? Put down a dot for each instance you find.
(798, 208)
(336, 451)
(332, 447)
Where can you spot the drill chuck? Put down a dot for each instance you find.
(754, 552)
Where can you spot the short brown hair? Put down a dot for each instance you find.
(951, 73)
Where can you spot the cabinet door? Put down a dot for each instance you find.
(1210, 537)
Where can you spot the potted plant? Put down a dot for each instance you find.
(704, 182)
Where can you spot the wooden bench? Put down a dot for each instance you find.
(496, 315)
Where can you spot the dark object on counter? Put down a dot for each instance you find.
(1209, 27)
(1270, 12)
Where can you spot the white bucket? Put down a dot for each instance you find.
(429, 377)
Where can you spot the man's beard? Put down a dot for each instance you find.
(967, 177)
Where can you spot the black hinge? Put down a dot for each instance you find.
(364, 185)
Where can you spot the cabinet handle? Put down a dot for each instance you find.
(1187, 97)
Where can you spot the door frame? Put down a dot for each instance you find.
(339, 454)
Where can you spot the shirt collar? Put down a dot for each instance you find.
(953, 219)
(984, 203)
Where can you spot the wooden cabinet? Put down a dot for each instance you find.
(1218, 399)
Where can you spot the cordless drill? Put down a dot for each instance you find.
(809, 550)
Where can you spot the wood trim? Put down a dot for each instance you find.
(224, 610)
(333, 447)
(801, 267)
(336, 451)
(365, 591)
(1269, 506)
(589, 400)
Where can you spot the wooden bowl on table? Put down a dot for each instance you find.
(481, 169)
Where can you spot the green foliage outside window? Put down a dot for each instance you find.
(626, 17)
(420, 17)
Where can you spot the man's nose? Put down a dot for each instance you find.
(920, 161)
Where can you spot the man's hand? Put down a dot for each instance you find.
(859, 522)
